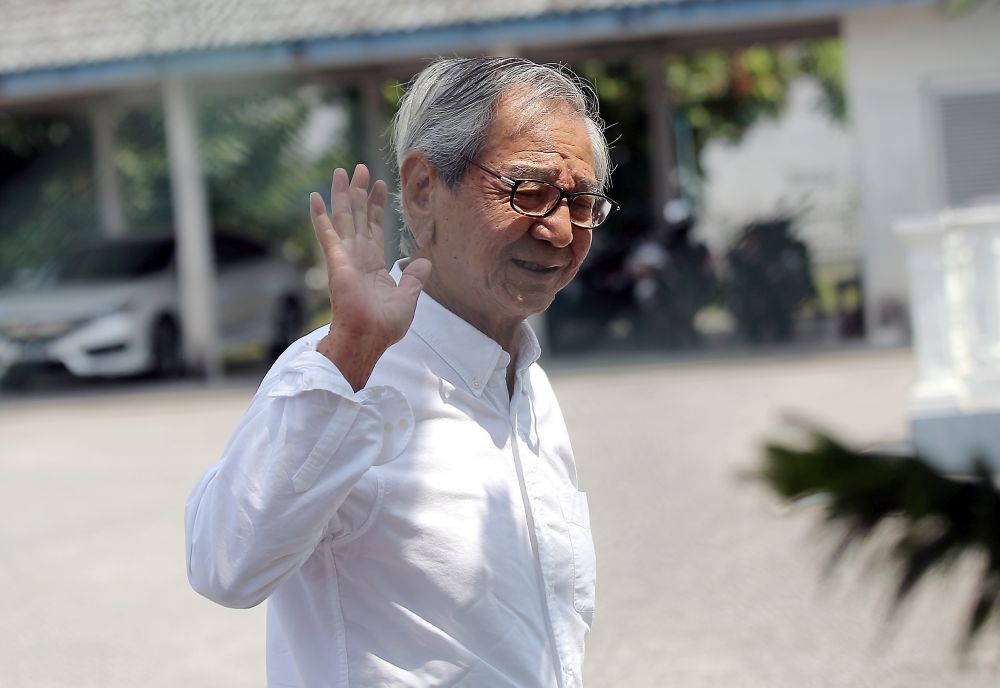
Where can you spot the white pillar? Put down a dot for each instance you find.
(192, 227)
(954, 264)
(934, 340)
(376, 152)
(979, 282)
(662, 156)
(110, 208)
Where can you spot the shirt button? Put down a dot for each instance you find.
(477, 384)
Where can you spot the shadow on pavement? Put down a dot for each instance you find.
(55, 382)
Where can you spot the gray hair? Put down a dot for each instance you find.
(448, 107)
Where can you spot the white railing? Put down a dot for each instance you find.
(953, 261)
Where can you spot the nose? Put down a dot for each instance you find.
(556, 228)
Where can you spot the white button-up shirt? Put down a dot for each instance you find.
(425, 531)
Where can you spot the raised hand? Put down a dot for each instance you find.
(369, 312)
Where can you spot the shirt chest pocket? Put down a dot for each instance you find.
(576, 511)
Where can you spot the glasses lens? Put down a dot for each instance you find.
(535, 198)
(589, 210)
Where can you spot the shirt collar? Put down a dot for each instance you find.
(472, 354)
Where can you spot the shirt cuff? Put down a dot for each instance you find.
(308, 371)
(311, 370)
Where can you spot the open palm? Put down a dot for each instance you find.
(366, 304)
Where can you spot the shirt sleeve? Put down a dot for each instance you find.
(305, 441)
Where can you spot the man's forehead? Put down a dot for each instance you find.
(535, 140)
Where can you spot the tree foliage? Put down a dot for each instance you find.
(723, 93)
(954, 8)
(257, 173)
(715, 94)
(46, 188)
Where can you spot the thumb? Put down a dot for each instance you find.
(415, 275)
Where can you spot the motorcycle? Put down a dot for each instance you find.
(769, 280)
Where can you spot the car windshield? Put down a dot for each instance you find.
(114, 261)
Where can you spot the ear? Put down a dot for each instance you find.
(416, 181)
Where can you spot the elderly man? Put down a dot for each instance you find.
(402, 489)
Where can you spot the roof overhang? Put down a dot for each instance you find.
(635, 27)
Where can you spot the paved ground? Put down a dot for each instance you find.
(705, 580)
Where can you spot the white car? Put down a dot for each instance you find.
(112, 308)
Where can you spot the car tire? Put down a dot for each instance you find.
(15, 379)
(288, 324)
(165, 346)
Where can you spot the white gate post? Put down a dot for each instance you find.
(110, 208)
(954, 268)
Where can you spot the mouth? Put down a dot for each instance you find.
(537, 268)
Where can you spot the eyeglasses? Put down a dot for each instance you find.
(535, 198)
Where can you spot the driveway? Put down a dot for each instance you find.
(705, 580)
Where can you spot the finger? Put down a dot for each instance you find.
(415, 275)
(325, 233)
(359, 199)
(340, 204)
(376, 211)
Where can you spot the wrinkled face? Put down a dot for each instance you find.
(492, 265)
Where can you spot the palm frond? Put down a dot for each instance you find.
(939, 518)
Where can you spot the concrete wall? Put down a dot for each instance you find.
(897, 61)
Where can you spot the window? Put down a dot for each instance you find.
(970, 124)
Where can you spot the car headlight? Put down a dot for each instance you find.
(53, 329)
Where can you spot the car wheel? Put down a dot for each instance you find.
(168, 360)
(15, 379)
(288, 325)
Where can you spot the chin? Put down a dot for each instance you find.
(533, 304)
